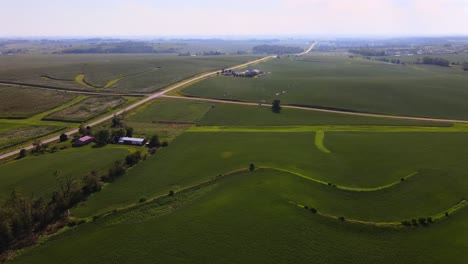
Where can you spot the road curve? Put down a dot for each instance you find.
(136, 104)
(308, 50)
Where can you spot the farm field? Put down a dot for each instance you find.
(38, 175)
(20, 102)
(187, 229)
(12, 134)
(323, 187)
(349, 84)
(384, 158)
(140, 73)
(87, 109)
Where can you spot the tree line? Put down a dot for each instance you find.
(436, 61)
(276, 49)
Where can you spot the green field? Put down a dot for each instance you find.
(39, 175)
(87, 109)
(14, 134)
(350, 84)
(363, 175)
(20, 102)
(249, 218)
(358, 160)
(117, 72)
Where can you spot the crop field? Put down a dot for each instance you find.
(20, 102)
(241, 184)
(384, 158)
(14, 134)
(350, 84)
(87, 109)
(40, 175)
(121, 73)
(187, 229)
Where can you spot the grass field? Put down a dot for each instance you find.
(352, 84)
(87, 109)
(20, 102)
(116, 72)
(39, 175)
(248, 218)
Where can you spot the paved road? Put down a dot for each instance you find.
(309, 50)
(136, 104)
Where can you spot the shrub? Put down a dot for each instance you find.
(341, 218)
(22, 153)
(313, 210)
(422, 220)
(406, 223)
(164, 144)
(251, 167)
(414, 222)
(63, 137)
(142, 200)
(171, 193)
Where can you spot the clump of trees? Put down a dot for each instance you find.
(436, 61)
(420, 221)
(276, 106)
(368, 52)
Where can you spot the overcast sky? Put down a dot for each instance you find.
(238, 17)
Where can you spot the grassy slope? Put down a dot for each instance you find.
(247, 218)
(37, 174)
(350, 84)
(357, 160)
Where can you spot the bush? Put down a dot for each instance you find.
(406, 223)
(414, 222)
(251, 167)
(164, 144)
(63, 137)
(422, 220)
(22, 153)
(142, 200)
(133, 159)
(313, 210)
(341, 218)
(171, 193)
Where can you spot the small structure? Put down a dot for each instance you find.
(83, 141)
(132, 141)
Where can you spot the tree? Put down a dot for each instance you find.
(116, 122)
(129, 131)
(22, 153)
(133, 159)
(276, 106)
(102, 137)
(63, 137)
(171, 193)
(313, 210)
(82, 129)
(117, 134)
(154, 142)
(251, 167)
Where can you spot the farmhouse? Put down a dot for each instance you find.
(132, 141)
(247, 73)
(83, 141)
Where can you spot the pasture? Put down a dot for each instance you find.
(349, 84)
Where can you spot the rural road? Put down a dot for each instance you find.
(136, 104)
(323, 110)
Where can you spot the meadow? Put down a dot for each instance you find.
(351, 84)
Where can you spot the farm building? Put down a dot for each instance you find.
(83, 141)
(132, 141)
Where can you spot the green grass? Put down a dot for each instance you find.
(87, 109)
(20, 102)
(37, 174)
(247, 218)
(353, 84)
(319, 141)
(357, 160)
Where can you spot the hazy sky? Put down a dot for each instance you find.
(238, 17)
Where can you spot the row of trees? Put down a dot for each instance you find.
(436, 61)
(276, 49)
(368, 52)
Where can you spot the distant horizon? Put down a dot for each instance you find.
(51, 18)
